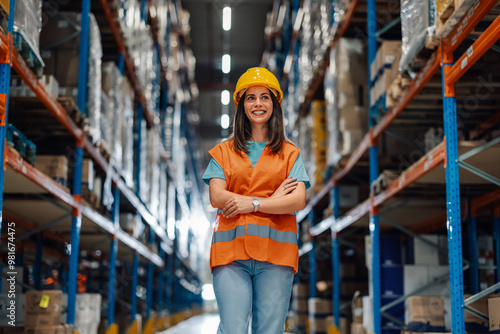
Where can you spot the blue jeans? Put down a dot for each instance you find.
(256, 288)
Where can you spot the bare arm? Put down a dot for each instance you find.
(288, 198)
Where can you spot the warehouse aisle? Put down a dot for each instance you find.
(201, 324)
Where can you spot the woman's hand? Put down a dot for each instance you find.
(286, 187)
(236, 206)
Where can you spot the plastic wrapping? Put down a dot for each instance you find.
(28, 22)
(332, 112)
(106, 111)
(346, 95)
(112, 85)
(154, 166)
(128, 134)
(315, 37)
(143, 172)
(94, 90)
(417, 23)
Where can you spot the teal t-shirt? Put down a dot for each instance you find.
(214, 170)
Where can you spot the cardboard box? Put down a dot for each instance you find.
(357, 308)
(300, 290)
(357, 329)
(43, 308)
(318, 325)
(319, 306)
(494, 314)
(54, 166)
(88, 174)
(299, 305)
(480, 305)
(427, 310)
(60, 329)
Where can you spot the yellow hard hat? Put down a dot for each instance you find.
(257, 76)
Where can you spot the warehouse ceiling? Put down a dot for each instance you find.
(244, 43)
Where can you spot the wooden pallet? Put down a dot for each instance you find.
(69, 104)
(30, 56)
(451, 13)
(396, 89)
(383, 181)
(90, 197)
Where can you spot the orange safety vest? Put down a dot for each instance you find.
(255, 235)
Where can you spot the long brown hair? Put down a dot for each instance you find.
(242, 129)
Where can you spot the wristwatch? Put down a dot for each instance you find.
(256, 204)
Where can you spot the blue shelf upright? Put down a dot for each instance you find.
(453, 221)
(374, 218)
(336, 258)
(76, 220)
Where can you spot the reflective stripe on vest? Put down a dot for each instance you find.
(225, 236)
(255, 230)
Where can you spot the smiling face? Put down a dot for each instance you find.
(258, 105)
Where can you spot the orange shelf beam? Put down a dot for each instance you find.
(20, 166)
(19, 65)
(474, 15)
(416, 86)
(423, 166)
(353, 216)
(475, 52)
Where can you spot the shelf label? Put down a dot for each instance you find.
(470, 51)
(464, 62)
(44, 303)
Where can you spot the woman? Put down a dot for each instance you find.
(257, 181)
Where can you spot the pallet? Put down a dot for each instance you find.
(383, 181)
(90, 197)
(396, 89)
(453, 11)
(69, 104)
(30, 56)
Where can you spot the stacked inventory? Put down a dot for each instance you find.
(81, 181)
(420, 126)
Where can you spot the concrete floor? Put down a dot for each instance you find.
(201, 324)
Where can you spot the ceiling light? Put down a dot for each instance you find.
(224, 121)
(226, 63)
(224, 97)
(226, 18)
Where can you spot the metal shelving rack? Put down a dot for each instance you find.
(446, 154)
(20, 172)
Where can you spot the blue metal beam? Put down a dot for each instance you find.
(336, 258)
(112, 258)
(150, 277)
(135, 281)
(76, 225)
(453, 222)
(496, 240)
